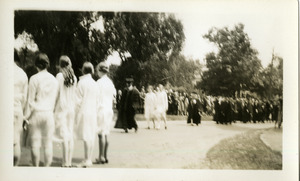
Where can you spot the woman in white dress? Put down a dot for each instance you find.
(107, 94)
(161, 105)
(150, 106)
(65, 108)
(42, 93)
(86, 109)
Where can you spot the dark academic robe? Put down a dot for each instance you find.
(217, 111)
(128, 105)
(194, 110)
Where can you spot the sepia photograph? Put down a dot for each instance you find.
(156, 90)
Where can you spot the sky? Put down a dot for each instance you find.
(265, 24)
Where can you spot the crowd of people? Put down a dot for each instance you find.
(228, 110)
(225, 110)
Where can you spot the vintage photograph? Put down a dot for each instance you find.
(203, 88)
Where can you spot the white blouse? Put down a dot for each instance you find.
(66, 95)
(107, 92)
(150, 104)
(87, 95)
(20, 89)
(42, 92)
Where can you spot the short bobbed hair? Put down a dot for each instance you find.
(42, 61)
(87, 68)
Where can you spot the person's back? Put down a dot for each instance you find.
(66, 94)
(45, 86)
(20, 88)
(20, 96)
(150, 104)
(162, 100)
(87, 94)
(42, 93)
(86, 111)
(107, 92)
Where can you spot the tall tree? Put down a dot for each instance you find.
(234, 66)
(271, 83)
(145, 36)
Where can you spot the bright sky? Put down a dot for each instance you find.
(266, 25)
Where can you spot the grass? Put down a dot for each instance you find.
(244, 151)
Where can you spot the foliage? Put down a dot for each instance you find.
(62, 32)
(145, 36)
(150, 39)
(234, 67)
(272, 78)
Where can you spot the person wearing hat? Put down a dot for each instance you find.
(128, 106)
(107, 94)
(65, 108)
(194, 111)
(42, 93)
(86, 112)
(20, 96)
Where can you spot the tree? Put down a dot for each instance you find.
(151, 39)
(272, 78)
(63, 32)
(234, 66)
(146, 36)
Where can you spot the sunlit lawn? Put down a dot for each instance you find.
(245, 151)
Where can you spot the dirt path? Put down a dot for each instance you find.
(180, 146)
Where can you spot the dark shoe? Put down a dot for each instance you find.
(101, 161)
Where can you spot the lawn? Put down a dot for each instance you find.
(244, 151)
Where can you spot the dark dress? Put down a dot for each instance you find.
(194, 109)
(128, 105)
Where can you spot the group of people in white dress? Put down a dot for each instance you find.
(156, 106)
(61, 109)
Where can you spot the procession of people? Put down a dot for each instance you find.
(61, 109)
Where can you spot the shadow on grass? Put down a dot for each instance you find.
(244, 151)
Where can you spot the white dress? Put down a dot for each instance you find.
(107, 93)
(86, 108)
(42, 93)
(64, 114)
(161, 103)
(20, 96)
(150, 105)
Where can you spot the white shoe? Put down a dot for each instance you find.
(86, 163)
